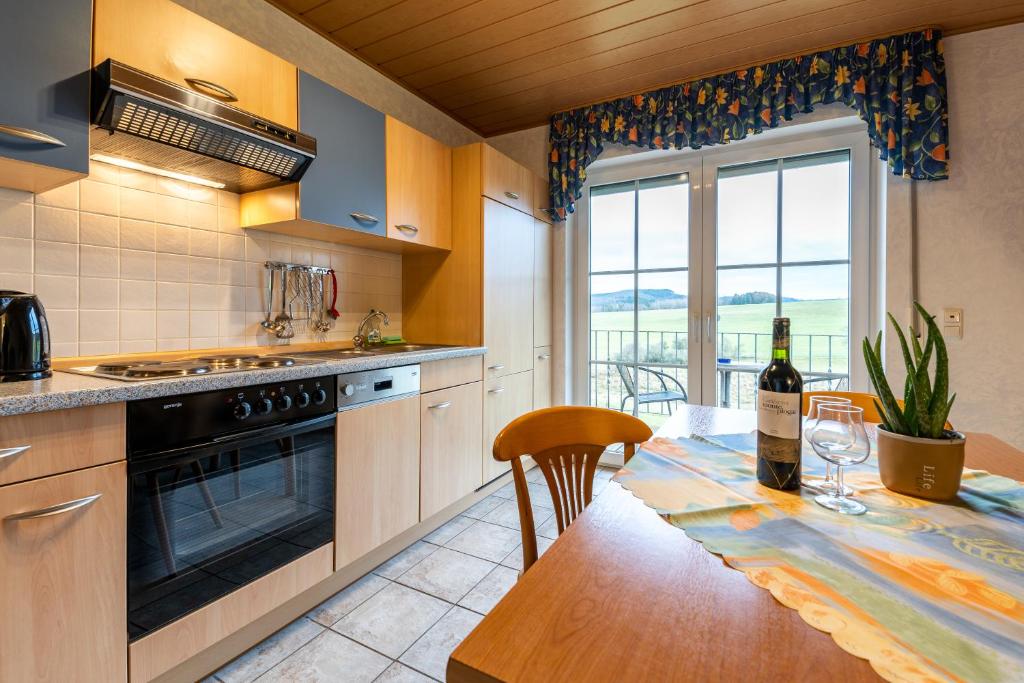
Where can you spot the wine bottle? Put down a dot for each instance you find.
(779, 398)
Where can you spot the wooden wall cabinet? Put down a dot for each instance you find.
(506, 181)
(342, 197)
(378, 481)
(504, 399)
(419, 187)
(508, 289)
(542, 377)
(162, 38)
(63, 589)
(450, 431)
(44, 119)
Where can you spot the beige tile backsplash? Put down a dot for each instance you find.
(128, 262)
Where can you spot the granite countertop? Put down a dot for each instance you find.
(68, 390)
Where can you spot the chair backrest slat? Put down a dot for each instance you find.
(566, 443)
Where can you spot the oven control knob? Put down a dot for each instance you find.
(242, 410)
(320, 396)
(348, 389)
(284, 402)
(264, 406)
(302, 399)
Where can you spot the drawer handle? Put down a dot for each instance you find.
(364, 217)
(31, 135)
(11, 452)
(411, 229)
(496, 390)
(439, 406)
(496, 367)
(544, 356)
(512, 195)
(55, 509)
(218, 91)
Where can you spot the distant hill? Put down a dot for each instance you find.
(654, 299)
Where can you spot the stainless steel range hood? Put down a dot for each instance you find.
(144, 119)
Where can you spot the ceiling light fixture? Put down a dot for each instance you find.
(136, 166)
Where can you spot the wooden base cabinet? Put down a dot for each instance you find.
(505, 399)
(378, 497)
(450, 424)
(62, 577)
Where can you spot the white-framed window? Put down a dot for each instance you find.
(684, 257)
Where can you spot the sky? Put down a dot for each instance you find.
(815, 226)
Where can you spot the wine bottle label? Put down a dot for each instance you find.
(778, 414)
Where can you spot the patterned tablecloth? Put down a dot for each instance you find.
(924, 591)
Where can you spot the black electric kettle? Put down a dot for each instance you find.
(24, 337)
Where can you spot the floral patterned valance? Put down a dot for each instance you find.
(896, 84)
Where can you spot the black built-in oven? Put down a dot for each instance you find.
(224, 487)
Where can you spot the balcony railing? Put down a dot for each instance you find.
(822, 358)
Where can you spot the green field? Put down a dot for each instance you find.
(812, 323)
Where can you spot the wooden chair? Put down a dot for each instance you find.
(566, 443)
(857, 398)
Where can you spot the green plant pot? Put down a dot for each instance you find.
(924, 468)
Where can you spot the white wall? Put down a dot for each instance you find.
(970, 231)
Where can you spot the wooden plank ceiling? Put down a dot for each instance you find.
(504, 65)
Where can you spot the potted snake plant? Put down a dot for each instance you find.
(918, 453)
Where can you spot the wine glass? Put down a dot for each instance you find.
(812, 417)
(839, 437)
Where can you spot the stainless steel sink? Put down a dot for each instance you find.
(384, 349)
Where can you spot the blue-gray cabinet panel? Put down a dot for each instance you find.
(348, 175)
(45, 52)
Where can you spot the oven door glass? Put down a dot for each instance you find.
(205, 520)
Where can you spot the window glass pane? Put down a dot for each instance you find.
(611, 318)
(747, 214)
(611, 227)
(746, 306)
(816, 207)
(817, 300)
(662, 315)
(664, 214)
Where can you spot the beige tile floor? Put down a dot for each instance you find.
(400, 622)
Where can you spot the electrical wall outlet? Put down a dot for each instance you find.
(953, 322)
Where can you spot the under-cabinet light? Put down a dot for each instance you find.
(136, 166)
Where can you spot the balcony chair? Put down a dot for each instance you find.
(566, 443)
(666, 395)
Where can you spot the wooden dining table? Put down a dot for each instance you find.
(624, 596)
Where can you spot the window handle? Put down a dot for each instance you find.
(707, 327)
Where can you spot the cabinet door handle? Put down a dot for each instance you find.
(439, 406)
(364, 217)
(13, 451)
(218, 91)
(544, 356)
(31, 135)
(496, 367)
(512, 195)
(405, 227)
(58, 509)
(496, 390)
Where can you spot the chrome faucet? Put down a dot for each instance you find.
(362, 339)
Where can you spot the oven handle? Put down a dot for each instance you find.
(145, 462)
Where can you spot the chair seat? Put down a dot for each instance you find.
(659, 396)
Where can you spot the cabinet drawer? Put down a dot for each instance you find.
(542, 377)
(505, 399)
(441, 374)
(64, 587)
(506, 181)
(166, 40)
(450, 429)
(378, 484)
(41, 444)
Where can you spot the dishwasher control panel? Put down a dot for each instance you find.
(358, 388)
